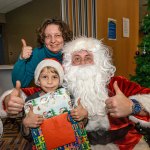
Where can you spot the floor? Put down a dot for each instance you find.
(11, 138)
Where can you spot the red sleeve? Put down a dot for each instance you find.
(31, 90)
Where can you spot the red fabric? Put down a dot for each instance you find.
(31, 90)
(57, 131)
(34, 147)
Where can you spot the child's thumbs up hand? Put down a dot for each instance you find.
(13, 102)
(79, 113)
(118, 105)
(26, 50)
(32, 120)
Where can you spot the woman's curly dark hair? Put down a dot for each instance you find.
(64, 28)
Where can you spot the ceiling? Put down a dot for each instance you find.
(8, 5)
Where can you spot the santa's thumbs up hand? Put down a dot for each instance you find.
(26, 50)
(16, 91)
(118, 105)
(13, 102)
(117, 89)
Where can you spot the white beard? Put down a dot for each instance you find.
(88, 84)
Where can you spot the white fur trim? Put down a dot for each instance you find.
(52, 63)
(142, 122)
(23, 95)
(98, 122)
(109, 146)
(1, 128)
(144, 99)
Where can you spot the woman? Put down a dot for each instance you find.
(52, 35)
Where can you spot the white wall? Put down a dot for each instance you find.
(5, 78)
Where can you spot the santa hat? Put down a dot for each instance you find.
(51, 63)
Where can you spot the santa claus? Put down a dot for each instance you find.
(112, 104)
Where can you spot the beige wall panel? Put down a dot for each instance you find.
(89, 18)
(123, 48)
(70, 13)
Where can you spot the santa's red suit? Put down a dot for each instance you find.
(130, 89)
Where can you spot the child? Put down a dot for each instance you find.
(49, 76)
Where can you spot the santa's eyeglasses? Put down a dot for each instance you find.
(82, 58)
